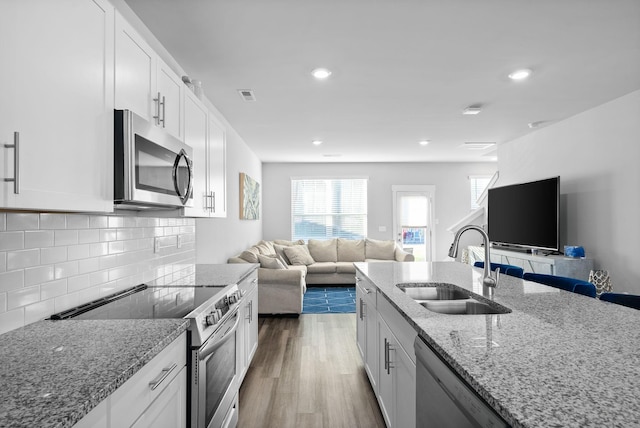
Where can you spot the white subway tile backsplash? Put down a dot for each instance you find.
(11, 280)
(22, 221)
(88, 236)
(51, 262)
(98, 222)
(38, 238)
(23, 297)
(38, 275)
(38, 311)
(23, 258)
(66, 237)
(77, 221)
(77, 283)
(77, 252)
(11, 320)
(11, 240)
(52, 289)
(53, 255)
(66, 269)
(53, 221)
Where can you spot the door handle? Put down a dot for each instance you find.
(183, 198)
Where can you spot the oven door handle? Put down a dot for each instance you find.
(210, 348)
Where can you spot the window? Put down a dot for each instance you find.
(325, 208)
(478, 184)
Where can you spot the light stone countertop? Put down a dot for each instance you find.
(559, 359)
(52, 373)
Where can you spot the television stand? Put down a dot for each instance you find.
(537, 263)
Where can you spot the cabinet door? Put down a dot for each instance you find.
(371, 339)
(170, 90)
(57, 85)
(169, 410)
(195, 135)
(385, 380)
(404, 378)
(135, 70)
(253, 327)
(217, 156)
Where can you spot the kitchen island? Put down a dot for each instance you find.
(558, 359)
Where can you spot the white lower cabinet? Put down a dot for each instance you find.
(385, 342)
(156, 396)
(248, 329)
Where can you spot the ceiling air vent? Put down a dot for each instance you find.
(247, 94)
(477, 145)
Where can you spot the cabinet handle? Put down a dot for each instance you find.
(250, 312)
(164, 111)
(366, 290)
(361, 309)
(16, 162)
(162, 376)
(159, 105)
(387, 359)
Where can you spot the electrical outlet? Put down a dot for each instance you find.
(156, 245)
(179, 245)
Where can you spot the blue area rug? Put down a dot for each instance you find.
(329, 300)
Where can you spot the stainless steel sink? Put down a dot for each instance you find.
(440, 292)
(463, 307)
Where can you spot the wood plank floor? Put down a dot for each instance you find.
(307, 372)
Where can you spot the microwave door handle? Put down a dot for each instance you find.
(210, 348)
(183, 198)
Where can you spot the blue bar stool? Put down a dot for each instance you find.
(628, 300)
(564, 283)
(506, 269)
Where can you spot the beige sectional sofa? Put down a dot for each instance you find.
(286, 267)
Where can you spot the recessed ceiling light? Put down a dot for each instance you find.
(474, 109)
(537, 124)
(423, 142)
(520, 74)
(316, 142)
(321, 73)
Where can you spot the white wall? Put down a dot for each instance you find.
(596, 155)
(452, 193)
(219, 238)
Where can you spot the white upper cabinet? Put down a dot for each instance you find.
(56, 79)
(217, 167)
(195, 135)
(144, 83)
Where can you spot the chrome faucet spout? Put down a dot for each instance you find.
(487, 279)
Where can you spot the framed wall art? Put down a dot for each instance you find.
(249, 198)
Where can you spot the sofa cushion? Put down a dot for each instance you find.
(350, 250)
(299, 255)
(322, 267)
(267, 246)
(345, 267)
(280, 251)
(323, 251)
(270, 262)
(250, 255)
(288, 243)
(381, 250)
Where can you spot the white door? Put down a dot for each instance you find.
(413, 220)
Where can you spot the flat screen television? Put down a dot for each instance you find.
(526, 215)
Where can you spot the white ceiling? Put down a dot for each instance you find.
(403, 70)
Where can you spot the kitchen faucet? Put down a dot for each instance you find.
(487, 279)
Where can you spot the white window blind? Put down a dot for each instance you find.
(478, 184)
(324, 208)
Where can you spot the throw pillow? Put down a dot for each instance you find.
(299, 255)
(250, 255)
(280, 251)
(266, 247)
(350, 250)
(270, 262)
(288, 243)
(381, 250)
(323, 251)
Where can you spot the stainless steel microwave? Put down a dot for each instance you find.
(152, 169)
